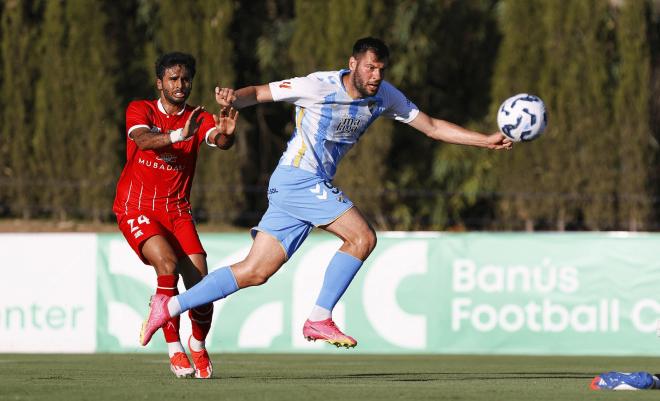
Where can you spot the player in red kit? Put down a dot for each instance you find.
(152, 201)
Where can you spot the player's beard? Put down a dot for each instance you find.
(175, 100)
(361, 87)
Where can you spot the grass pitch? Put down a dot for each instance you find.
(128, 377)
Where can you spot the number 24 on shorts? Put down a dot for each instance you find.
(135, 229)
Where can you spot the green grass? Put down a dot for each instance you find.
(128, 377)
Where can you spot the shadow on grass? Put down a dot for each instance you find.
(431, 376)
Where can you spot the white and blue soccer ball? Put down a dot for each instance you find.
(522, 117)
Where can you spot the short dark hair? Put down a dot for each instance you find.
(169, 60)
(375, 45)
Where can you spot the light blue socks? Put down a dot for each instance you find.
(216, 285)
(338, 276)
(221, 283)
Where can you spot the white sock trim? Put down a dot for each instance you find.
(174, 347)
(196, 345)
(319, 313)
(174, 307)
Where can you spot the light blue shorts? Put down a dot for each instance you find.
(298, 201)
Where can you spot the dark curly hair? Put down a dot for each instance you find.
(169, 60)
(375, 45)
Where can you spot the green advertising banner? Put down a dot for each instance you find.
(490, 293)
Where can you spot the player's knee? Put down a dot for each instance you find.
(363, 244)
(164, 264)
(261, 278)
(370, 241)
(257, 277)
(249, 276)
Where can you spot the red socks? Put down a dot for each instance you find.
(167, 286)
(200, 318)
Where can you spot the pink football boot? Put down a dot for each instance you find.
(327, 331)
(158, 316)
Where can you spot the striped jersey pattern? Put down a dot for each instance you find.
(329, 122)
(158, 179)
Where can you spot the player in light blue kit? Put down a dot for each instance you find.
(333, 109)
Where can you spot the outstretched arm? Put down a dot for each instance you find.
(244, 97)
(146, 140)
(442, 130)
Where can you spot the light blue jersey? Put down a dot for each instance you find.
(329, 122)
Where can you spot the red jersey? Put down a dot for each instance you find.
(159, 179)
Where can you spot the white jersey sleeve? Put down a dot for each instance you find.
(397, 105)
(301, 91)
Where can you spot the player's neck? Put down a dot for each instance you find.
(350, 88)
(171, 108)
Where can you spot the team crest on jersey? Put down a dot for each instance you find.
(168, 158)
(285, 85)
(372, 105)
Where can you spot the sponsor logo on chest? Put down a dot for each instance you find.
(349, 126)
(160, 164)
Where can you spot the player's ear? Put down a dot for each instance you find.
(352, 63)
(159, 84)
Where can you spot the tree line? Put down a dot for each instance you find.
(70, 67)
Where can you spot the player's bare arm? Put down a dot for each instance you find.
(441, 130)
(244, 97)
(225, 125)
(146, 140)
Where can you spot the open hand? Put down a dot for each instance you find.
(225, 121)
(193, 123)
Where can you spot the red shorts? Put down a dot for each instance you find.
(178, 230)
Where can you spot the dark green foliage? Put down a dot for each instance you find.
(74, 136)
(52, 138)
(443, 56)
(218, 188)
(93, 102)
(520, 64)
(69, 68)
(631, 108)
(19, 70)
(560, 138)
(586, 90)
(590, 169)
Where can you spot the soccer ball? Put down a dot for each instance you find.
(522, 117)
